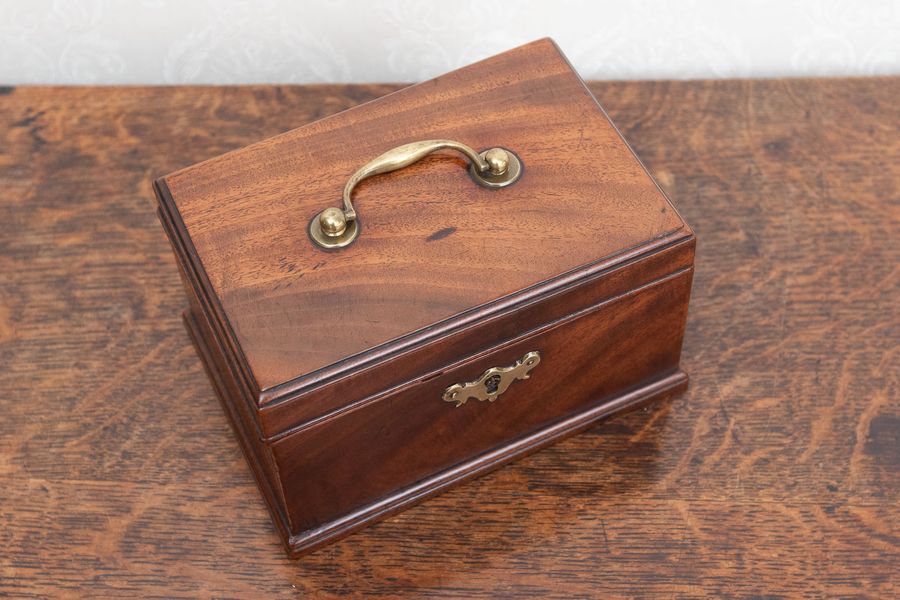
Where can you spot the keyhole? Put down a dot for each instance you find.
(492, 384)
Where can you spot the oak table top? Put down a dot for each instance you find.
(777, 473)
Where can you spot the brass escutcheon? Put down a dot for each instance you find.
(492, 382)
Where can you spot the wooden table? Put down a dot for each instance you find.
(777, 473)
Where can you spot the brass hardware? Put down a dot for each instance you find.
(493, 168)
(492, 382)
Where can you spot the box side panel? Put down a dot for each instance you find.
(373, 456)
(193, 277)
(258, 455)
(231, 393)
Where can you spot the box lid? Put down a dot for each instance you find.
(432, 245)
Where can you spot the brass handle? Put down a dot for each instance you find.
(335, 227)
(492, 382)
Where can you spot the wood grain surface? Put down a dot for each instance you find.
(776, 474)
(290, 309)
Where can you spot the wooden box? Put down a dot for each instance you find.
(489, 304)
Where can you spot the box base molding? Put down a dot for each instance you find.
(666, 386)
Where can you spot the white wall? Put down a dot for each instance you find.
(283, 41)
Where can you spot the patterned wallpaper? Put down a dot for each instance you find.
(283, 41)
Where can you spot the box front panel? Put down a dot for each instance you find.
(582, 292)
(369, 455)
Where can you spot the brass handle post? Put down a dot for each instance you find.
(337, 227)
